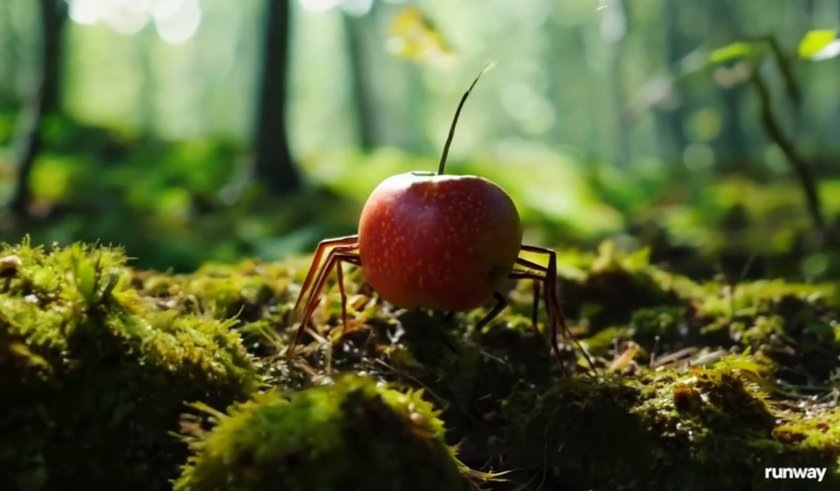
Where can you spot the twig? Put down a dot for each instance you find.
(797, 162)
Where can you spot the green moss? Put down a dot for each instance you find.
(749, 298)
(820, 434)
(706, 428)
(657, 324)
(97, 361)
(248, 290)
(619, 296)
(556, 435)
(605, 289)
(350, 435)
(793, 324)
(94, 375)
(253, 297)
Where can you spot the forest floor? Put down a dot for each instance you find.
(115, 376)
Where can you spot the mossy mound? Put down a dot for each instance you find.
(94, 376)
(706, 428)
(607, 287)
(350, 435)
(253, 296)
(248, 291)
(795, 325)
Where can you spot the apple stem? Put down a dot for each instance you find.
(442, 166)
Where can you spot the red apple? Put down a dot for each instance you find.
(438, 241)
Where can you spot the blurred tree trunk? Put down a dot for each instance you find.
(733, 141)
(360, 83)
(274, 167)
(7, 54)
(146, 106)
(670, 120)
(614, 29)
(416, 110)
(44, 101)
(594, 131)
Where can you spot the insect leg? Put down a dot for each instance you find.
(316, 266)
(344, 251)
(555, 311)
(539, 276)
(318, 286)
(501, 303)
(339, 269)
(340, 259)
(315, 275)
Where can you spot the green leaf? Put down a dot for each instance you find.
(731, 52)
(814, 42)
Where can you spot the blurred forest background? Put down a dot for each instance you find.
(195, 130)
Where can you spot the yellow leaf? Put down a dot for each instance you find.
(815, 42)
(412, 35)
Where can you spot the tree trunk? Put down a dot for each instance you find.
(45, 100)
(670, 121)
(359, 68)
(8, 55)
(146, 107)
(733, 140)
(274, 167)
(616, 80)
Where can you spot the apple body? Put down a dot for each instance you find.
(435, 241)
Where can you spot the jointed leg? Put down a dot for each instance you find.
(336, 256)
(315, 268)
(501, 303)
(552, 303)
(555, 315)
(539, 276)
(344, 258)
(333, 258)
(320, 279)
(555, 311)
(339, 271)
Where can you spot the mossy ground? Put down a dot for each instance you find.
(696, 385)
(94, 375)
(347, 435)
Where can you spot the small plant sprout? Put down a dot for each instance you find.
(437, 241)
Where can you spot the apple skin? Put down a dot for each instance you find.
(434, 241)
